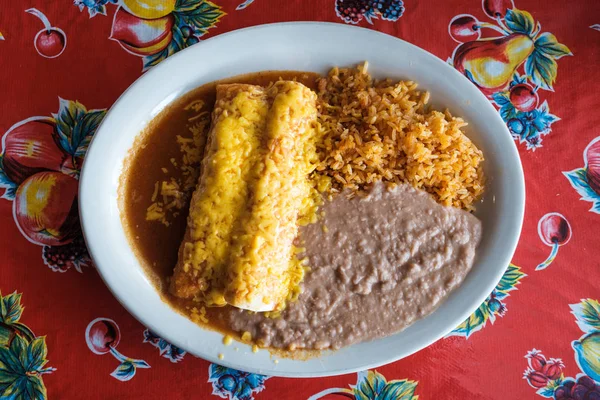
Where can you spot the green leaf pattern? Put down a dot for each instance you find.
(68, 117)
(76, 125)
(542, 69)
(547, 44)
(89, 124)
(371, 385)
(587, 314)
(22, 355)
(10, 308)
(36, 354)
(199, 15)
(124, 372)
(519, 21)
(488, 310)
(475, 322)
(510, 279)
(400, 389)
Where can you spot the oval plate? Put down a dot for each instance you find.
(304, 47)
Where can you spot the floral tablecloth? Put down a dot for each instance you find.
(63, 335)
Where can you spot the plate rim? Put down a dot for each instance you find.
(519, 187)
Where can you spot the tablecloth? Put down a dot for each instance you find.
(64, 336)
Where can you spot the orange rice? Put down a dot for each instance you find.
(384, 130)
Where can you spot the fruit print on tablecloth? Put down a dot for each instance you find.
(94, 6)
(493, 306)
(156, 29)
(166, 349)
(22, 354)
(244, 4)
(587, 348)
(547, 377)
(354, 11)
(49, 42)
(371, 385)
(542, 374)
(493, 63)
(229, 383)
(102, 336)
(39, 171)
(586, 180)
(554, 230)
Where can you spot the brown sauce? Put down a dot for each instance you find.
(155, 244)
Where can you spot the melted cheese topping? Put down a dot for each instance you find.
(232, 153)
(260, 274)
(253, 192)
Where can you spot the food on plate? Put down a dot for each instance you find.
(232, 149)
(243, 216)
(384, 130)
(328, 210)
(385, 260)
(261, 270)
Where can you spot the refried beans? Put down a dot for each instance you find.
(377, 264)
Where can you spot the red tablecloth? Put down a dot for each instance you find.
(62, 334)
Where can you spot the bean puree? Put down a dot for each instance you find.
(382, 262)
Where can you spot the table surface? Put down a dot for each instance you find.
(64, 336)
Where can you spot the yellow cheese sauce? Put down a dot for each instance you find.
(230, 158)
(260, 273)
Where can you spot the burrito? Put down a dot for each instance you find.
(232, 151)
(238, 246)
(260, 274)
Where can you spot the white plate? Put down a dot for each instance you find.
(304, 47)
